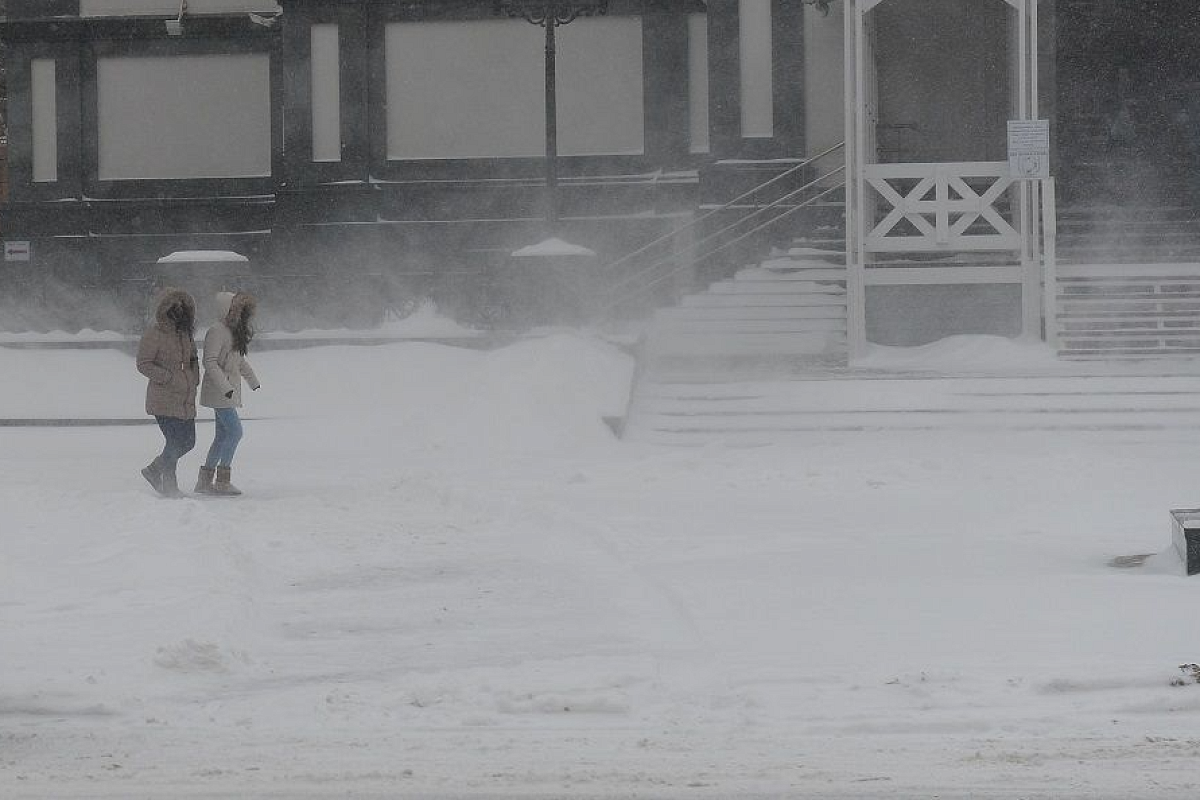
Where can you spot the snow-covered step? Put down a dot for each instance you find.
(729, 343)
(752, 326)
(776, 286)
(793, 262)
(716, 424)
(783, 314)
(772, 434)
(827, 254)
(785, 271)
(806, 257)
(1045, 396)
(765, 299)
(722, 314)
(760, 412)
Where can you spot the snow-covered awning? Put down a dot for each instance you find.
(551, 248)
(201, 257)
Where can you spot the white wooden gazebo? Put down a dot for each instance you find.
(979, 220)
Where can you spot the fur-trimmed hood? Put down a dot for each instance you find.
(169, 297)
(230, 306)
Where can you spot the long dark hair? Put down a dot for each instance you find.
(240, 326)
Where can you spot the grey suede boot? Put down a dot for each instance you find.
(204, 482)
(221, 484)
(153, 473)
(170, 484)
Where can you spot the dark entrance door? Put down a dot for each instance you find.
(1128, 105)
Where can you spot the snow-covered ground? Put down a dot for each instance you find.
(447, 578)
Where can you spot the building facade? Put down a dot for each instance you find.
(331, 141)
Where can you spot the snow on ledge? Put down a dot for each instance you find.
(85, 335)
(552, 247)
(195, 256)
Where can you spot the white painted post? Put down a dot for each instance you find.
(849, 151)
(856, 326)
(1022, 61)
(1031, 266)
(1030, 298)
(1033, 59)
(1032, 261)
(1050, 262)
(1047, 281)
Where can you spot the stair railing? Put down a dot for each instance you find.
(643, 280)
(617, 300)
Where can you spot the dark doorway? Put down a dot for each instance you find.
(1128, 105)
(938, 99)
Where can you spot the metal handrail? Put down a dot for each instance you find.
(616, 299)
(735, 201)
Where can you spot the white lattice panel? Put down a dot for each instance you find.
(940, 207)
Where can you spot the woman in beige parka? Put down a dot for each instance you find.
(225, 366)
(167, 357)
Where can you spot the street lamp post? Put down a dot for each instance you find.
(550, 14)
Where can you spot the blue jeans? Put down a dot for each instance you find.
(181, 438)
(225, 442)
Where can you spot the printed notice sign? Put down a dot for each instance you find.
(1028, 149)
(16, 251)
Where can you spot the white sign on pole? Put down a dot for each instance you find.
(1028, 149)
(16, 251)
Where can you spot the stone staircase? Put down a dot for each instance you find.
(787, 311)
(775, 320)
(761, 356)
(747, 412)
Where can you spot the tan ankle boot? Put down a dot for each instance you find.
(221, 484)
(204, 482)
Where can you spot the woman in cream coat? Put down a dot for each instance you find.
(225, 366)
